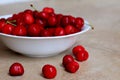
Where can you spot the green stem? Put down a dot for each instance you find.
(10, 22)
(91, 26)
(31, 5)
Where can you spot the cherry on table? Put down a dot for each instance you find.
(82, 56)
(67, 59)
(77, 48)
(72, 67)
(16, 69)
(49, 71)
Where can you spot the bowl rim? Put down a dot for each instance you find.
(85, 28)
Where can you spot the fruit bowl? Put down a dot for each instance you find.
(41, 46)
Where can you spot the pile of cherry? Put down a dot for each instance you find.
(37, 23)
(69, 62)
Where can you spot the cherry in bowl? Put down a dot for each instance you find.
(41, 33)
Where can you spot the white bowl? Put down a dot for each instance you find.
(41, 46)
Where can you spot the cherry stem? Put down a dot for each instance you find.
(91, 26)
(31, 5)
(10, 22)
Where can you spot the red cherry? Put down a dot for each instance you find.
(34, 30)
(15, 16)
(46, 33)
(41, 22)
(52, 21)
(9, 19)
(82, 55)
(20, 31)
(79, 22)
(43, 15)
(72, 20)
(65, 21)
(28, 18)
(16, 69)
(2, 19)
(52, 14)
(7, 29)
(28, 11)
(35, 14)
(59, 17)
(2, 24)
(67, 59)
(49, 71)
(21, 23)
(48, 10)
(69, 29)
(59, 31)
(51, 30)
(72, 67)
(20, 19)
(78, 48)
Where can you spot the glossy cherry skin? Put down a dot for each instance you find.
(28, 11)
(69, 29)
(34, 30)
(2, 24)
(52, 21)
(77, 48)
(82, 56)
(35, 14)
(59, 17)
(28, 18)
(79, 22)
(48, 10)
(72, 20)
(52, 14)
(43, 15)
(19, 31)
(59, 31)
(52, 31)
(49, 71)
(17, 16)
(46, 33)
(67, 59)
(41, 22)
(65, 21)
(8, 28)
(20, 18)
(2, 19)
(16, 69)
(72, 67)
